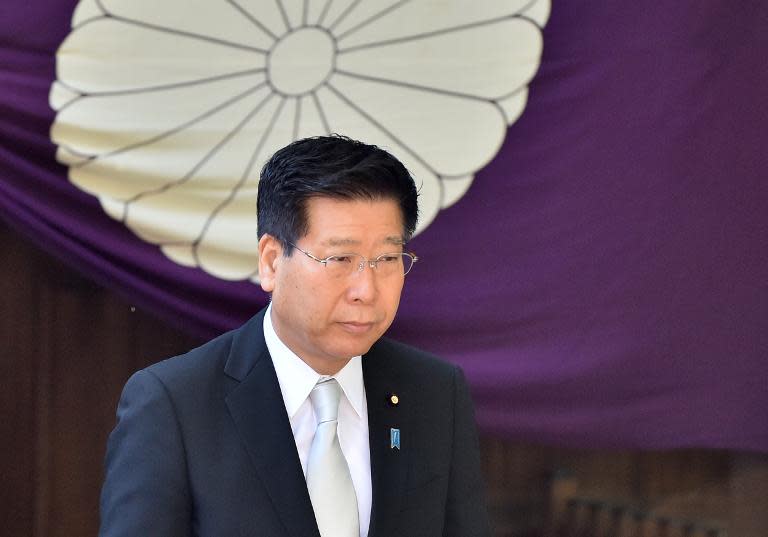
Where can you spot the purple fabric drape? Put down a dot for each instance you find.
(604, 282)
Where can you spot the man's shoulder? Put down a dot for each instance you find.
(198, 363)
(401, 356)
(237, 346)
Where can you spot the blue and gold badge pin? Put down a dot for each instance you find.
(394, 439)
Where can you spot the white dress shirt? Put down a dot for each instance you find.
(296, 380)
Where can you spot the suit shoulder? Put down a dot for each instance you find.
(198, 362)
(414, 360)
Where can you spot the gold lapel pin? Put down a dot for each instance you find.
(394, 400)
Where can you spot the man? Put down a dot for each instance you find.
(304, 421)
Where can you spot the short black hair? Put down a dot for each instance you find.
(332, 167)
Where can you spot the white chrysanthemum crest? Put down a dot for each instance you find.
(166, 111)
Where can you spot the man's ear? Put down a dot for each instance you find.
(270, 252)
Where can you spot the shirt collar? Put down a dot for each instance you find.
(297, 379)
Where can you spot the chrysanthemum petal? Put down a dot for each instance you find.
(195, 198)
(513, 105)
(266, 12)
(437, 127)
(114, 208)
(359, 13)
(487, 60)
(410, 19)
(228, 247)
(454, 188)
(311, 121)
(346, 119)
(60, 95)
(336, 10)
(315, 10)
(108, 55)
(294, 11)
(183, 254)
(190, 206)
(85, 11)
(215, 20)
(136, 170)
(100, 124)
(69, 158)
(538, 12)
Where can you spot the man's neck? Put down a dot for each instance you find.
(323, 366)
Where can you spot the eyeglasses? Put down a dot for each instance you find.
(342, 265)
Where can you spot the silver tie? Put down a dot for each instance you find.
(328, 479)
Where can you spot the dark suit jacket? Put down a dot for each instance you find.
(203, 447)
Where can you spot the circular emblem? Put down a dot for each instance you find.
(167, 111)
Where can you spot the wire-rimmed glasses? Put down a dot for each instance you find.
(343, 265)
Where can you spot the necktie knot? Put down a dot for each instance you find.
(325, 397)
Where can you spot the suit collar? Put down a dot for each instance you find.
(247, 347)
(388, 465)
(257, 408)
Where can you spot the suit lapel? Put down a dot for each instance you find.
(258, 410)
(388, 465)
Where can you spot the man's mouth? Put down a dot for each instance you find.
(356, 327)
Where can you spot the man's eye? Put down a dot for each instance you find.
(390, 258)
(340, 259)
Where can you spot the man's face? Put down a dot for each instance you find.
(325, 320)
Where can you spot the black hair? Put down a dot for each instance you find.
(333, 167)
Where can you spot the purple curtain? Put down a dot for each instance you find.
(604, 282)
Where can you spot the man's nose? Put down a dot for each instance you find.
(363, 284)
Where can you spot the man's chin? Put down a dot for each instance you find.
(354, 348)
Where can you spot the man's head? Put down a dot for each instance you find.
(332, 167)
(330, 196)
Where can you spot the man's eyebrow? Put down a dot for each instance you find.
(340, 241)
(395, 239)
(334, 241)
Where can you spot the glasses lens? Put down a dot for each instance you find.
(394, 263)
(407, 263)
(339, 266)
